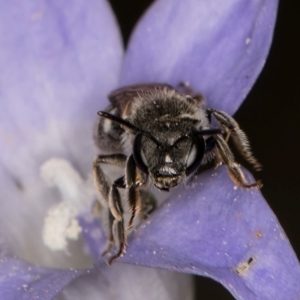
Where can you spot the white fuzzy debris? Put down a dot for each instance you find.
(61, 174)
(76, 196)
(56, 224)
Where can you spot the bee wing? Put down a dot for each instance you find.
(120, 97)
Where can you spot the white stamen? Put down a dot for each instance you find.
(76, 196)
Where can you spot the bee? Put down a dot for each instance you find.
(161, 136)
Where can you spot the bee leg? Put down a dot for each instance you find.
(218, 160)
(133, 180)
(117, 222)
(238, 136)
(235, 172)
(118, 227)
(111, 198)
(110, 236)
(100, 180)
(134, 200)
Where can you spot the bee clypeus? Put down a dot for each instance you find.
(160, 136)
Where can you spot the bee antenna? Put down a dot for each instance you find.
(118, 120)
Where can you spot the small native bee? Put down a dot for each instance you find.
(160, 136)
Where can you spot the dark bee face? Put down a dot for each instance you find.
(168, 163)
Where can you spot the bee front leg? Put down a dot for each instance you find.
(235, 172)
(100, 180)
(238, 136)
(119, 228)
(134, 200)
(111, 197)
(110, 236)
(133, 180)
(117, 211)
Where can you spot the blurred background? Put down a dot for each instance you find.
(271, 118)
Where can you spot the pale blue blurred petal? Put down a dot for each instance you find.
(124, 282)
(218, 46)
(58, 62)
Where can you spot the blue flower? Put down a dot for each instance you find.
(58, 61)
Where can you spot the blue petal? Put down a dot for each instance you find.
(214, 229)
(94, 235)
(58, 62)
(226, 233)
(218, 46)
(20, 280)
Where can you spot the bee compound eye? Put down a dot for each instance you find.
(192, 156)
(196, 155)
(137, 153)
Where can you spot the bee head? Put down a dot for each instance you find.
(168, 164)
